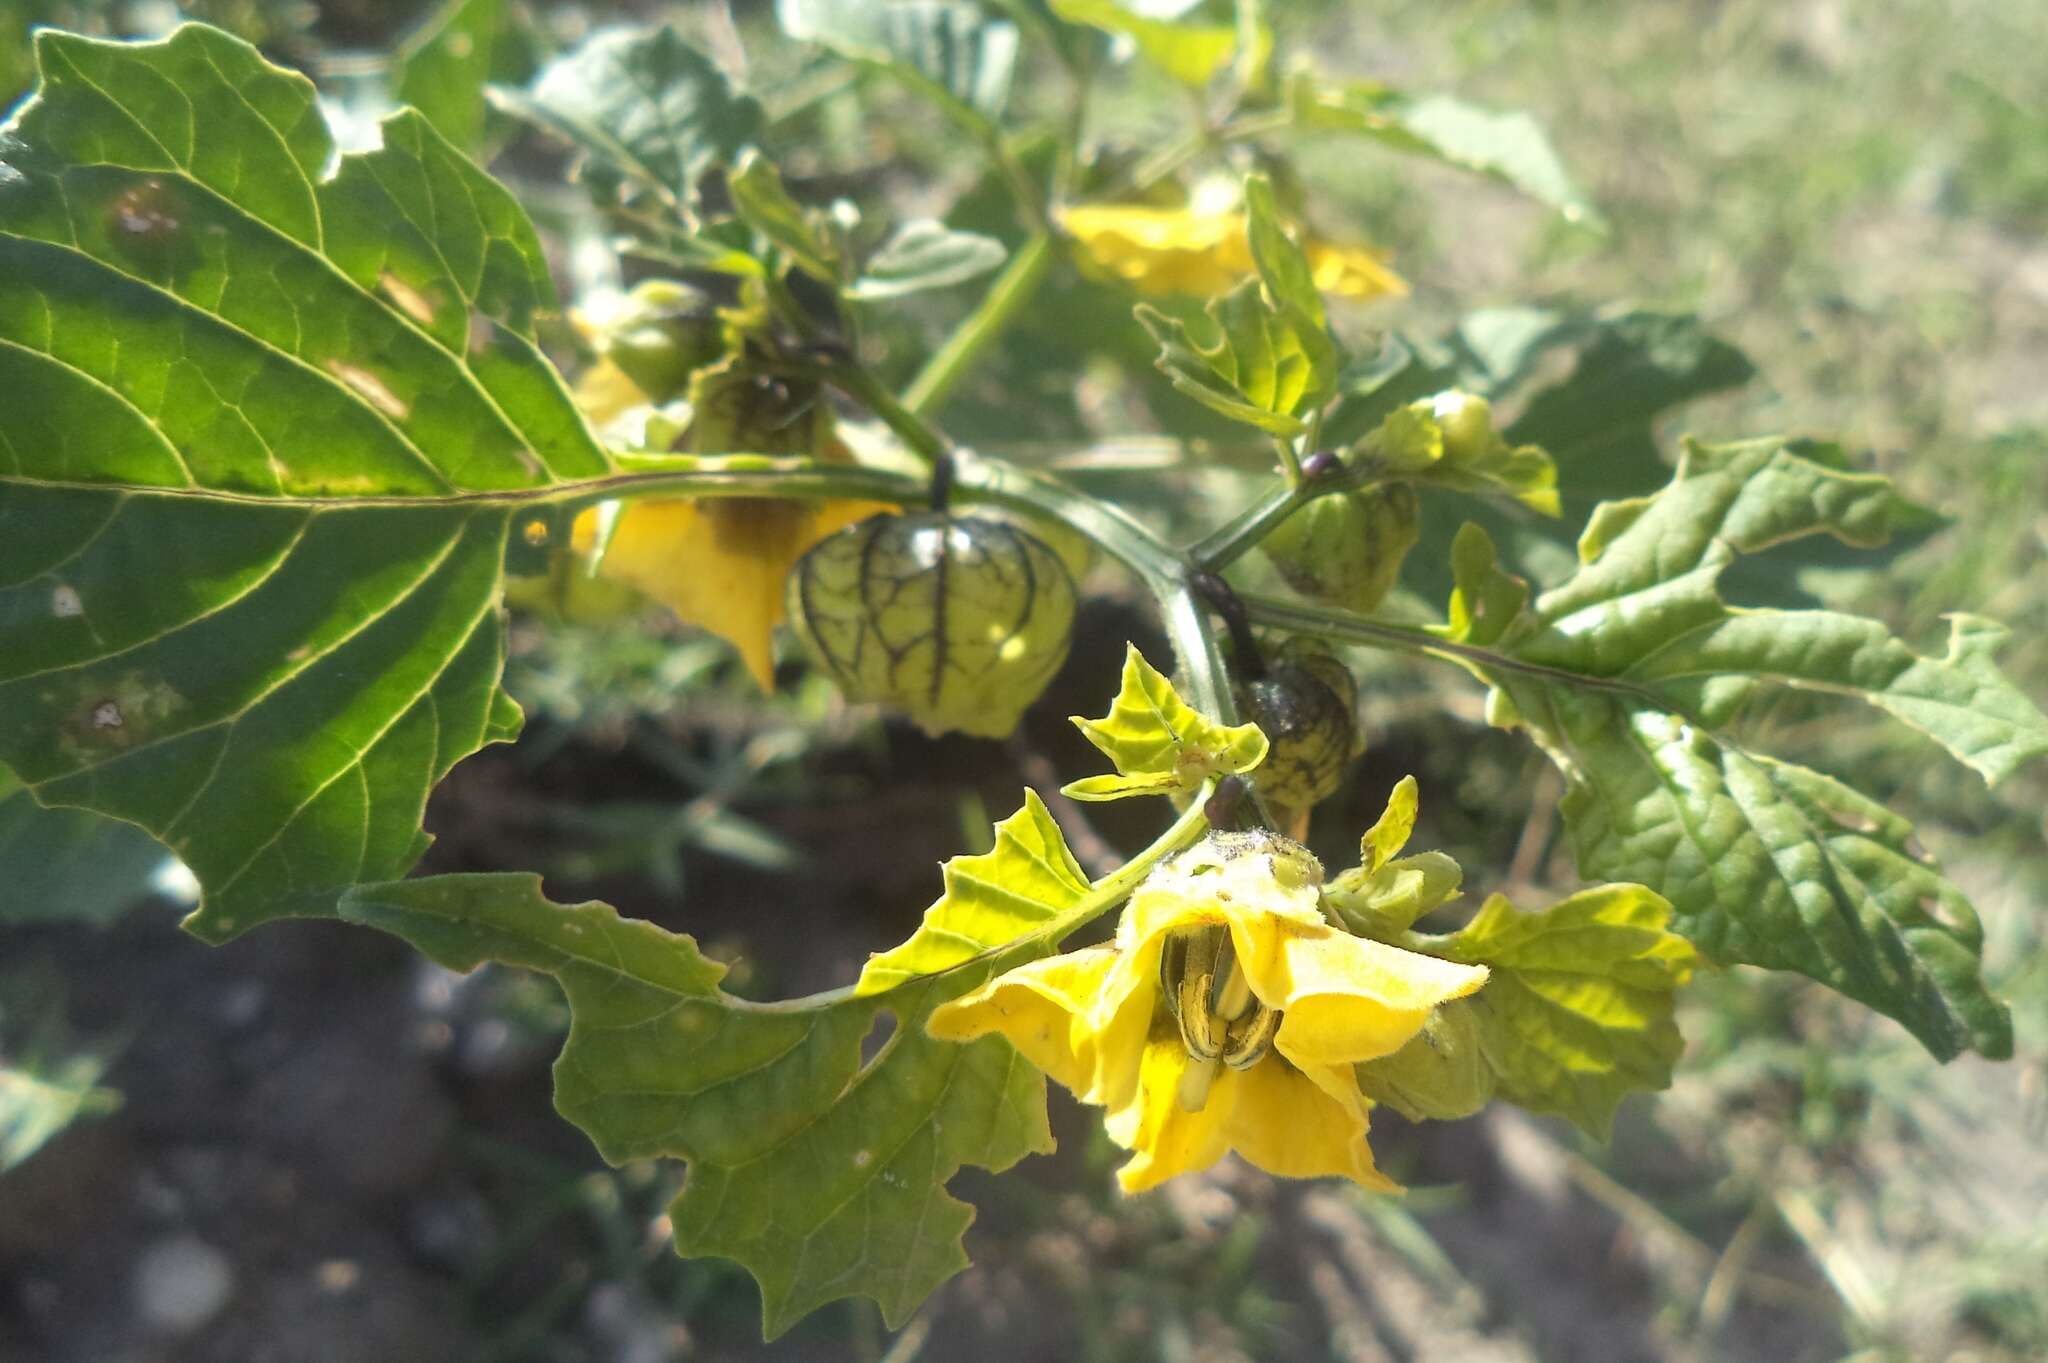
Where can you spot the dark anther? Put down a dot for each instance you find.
(1321, 464)
(1222, 599)
(1221, 810)
(944, 471)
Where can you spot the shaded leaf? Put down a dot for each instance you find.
(1160, 744)
(649, 112)
(925, 255)
(271, 435)
(65, 865)
(444, 65)
(950, 52)
(823, 1175)
(1508, 147)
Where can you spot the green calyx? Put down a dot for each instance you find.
(1346, 550)
(1306, 704)
(958, 621)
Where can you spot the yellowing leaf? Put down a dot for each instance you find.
(719, 563)
(1160, 744)
(1026, 881)
(1190, 53)
(1178, 250)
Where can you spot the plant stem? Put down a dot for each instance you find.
(1235, 537)
(860, 385)
(1012, 289)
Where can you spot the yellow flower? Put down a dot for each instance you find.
(1227, 1016)
(1179, 250)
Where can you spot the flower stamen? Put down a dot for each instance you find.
(1211, 999)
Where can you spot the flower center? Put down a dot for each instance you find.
(1221, 1020)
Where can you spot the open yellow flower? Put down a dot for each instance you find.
(1226, 1016)
(1181, 250)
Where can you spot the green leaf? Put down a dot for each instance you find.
(823, 1175)
(648, 112)
(949, 52)
(1189, 52)
(1577, 1011)
(270, 435)
(1384, 894)
(1510, 148)
(1248, 360)
(1160, 744)
(444, 65)
(763, 204)
(1764, 862)
(1021, 885)
(38, 1099)
(64, 865)
(924, 255)
(1283, 266)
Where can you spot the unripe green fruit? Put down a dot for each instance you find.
(664, 333)
(1441, 1075)
(1347, 549)
(959, 621)
(1467, 424)
(1307, 704)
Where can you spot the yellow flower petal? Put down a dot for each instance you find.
(1343, 999)
(1164, 1138)
(719, 562)
(1177, 250)
(1047, 1009)
(1287, 1124)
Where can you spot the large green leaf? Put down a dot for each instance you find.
(271, 427)
(649, 113)
(1159, 743)
(823, 1174)
(1764, 862)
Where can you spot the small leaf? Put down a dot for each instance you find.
(761, 201)
(64, 865)
(925, 255)
(1249, 361)
(950, 52)
(1160, 743)
(1021, 885)
(823, 1176)
(1510, 148)
(1283, 266)
(1577, 1010)
(1390, 833)
(444, 65)
(648, 111)
(1189, 52)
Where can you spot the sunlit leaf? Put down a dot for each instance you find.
(951, 52)
(1160, 744)
(761, 201)
(1021, 885)
(1764, 862)
(824, 1175)
(1246, 359)
(1577, 1010)
(272, 429)
(1189, 52)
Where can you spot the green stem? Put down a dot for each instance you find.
(1235, 537)
(860, 385)
(1011, 291)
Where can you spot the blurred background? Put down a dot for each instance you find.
(313, 1147)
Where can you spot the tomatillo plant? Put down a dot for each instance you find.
(282, 419)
